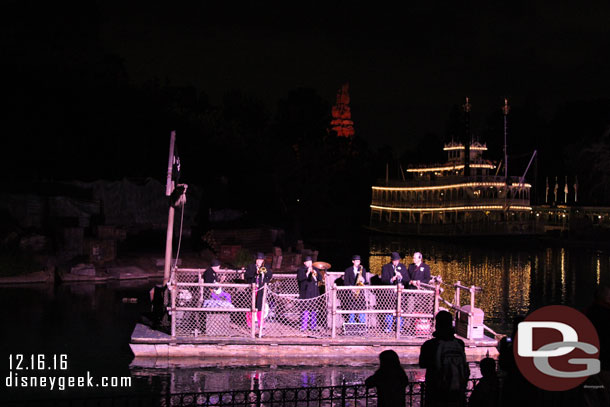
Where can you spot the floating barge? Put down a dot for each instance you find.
(211, 332)
(156, 349)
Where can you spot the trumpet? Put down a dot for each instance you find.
(261, 270)
(398, 276)
(314, 273)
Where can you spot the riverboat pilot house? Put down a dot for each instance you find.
(459, 197)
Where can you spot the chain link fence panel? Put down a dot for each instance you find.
(370, 311)
(212, 309)
(293, 317)
(417, 313)
(285, 284)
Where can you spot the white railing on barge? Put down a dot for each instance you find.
(368, 312)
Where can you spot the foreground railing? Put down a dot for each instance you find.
(327, 396)
(346, 395)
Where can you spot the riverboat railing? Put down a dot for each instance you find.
(445, 180)
(369, 312)
(449, 203)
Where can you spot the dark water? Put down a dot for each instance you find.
(92, 324)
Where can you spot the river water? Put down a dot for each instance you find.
(92, 323)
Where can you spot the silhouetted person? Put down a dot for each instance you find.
(390, 380)
(444, 359)
(487, 391)
(599, 315)
(598, 391)
(516, 388)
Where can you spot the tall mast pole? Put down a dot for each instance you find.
(467, 138)
(169, 188)
(505, 110)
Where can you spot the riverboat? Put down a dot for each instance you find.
(461, 197)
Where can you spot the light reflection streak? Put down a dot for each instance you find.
(598, 269)
(496, 300)
(548, 268)
(563, 276)
(514, 280)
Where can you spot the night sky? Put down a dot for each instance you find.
(406, 68)
(93, 90)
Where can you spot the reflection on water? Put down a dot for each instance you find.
(181, 380)
(514, 280)
(184, 380)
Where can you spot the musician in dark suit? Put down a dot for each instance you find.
(418, 271)
(353, 276)
(205, 294)
(260, 275)
(393, 273)
(307, 276)
(209, 275)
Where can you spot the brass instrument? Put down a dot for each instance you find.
(359, 281)
(360, 278)
(398, 276)
(261, 270)
(322, 267)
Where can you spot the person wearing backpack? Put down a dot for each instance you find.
(447, 371)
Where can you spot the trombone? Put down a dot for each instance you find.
(260, 275)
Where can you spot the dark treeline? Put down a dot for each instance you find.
(72, 112)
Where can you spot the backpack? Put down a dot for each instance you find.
(451, 365)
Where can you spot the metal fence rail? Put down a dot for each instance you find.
(381, 311)
(346, 395)
(200, 309)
